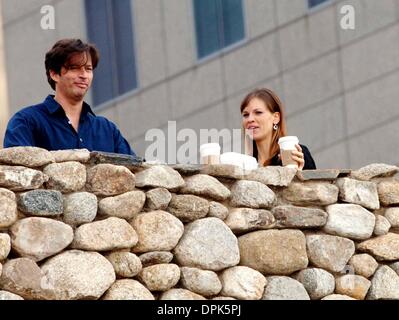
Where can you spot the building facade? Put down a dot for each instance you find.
(187, 64)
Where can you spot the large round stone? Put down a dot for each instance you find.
(157, 231)
(39, 238)
(203, 282)
(160, 277)
(66, 176)
(125, 206)
(79, 208)
(26, 156)
(274, 251)
(329, 252)
(109, 234)
(317, 282)
(109, 180)
(77, 274)
(208, 244)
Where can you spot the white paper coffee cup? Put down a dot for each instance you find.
(210, 153)
(287, 144)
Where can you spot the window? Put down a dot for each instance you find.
(110, 28)
(218, 24)
(313, 3)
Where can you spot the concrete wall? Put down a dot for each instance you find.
(3, 87)
(321, 72)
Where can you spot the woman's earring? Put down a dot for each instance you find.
(275, 127)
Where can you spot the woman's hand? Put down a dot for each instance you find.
(298, 157)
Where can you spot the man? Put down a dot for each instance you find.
(64, 120)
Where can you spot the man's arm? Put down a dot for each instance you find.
(19, 132)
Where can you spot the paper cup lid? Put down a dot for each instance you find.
(210, 147)
(288, 139)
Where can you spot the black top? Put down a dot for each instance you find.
(309, 162)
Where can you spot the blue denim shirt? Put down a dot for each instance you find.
(46, 126)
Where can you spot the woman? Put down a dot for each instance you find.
(264, 123)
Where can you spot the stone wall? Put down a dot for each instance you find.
(81, 225)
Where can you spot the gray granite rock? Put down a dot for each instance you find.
(45, 203)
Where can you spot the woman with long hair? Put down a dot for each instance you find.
(263, 122)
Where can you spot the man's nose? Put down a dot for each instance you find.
(83, 72)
